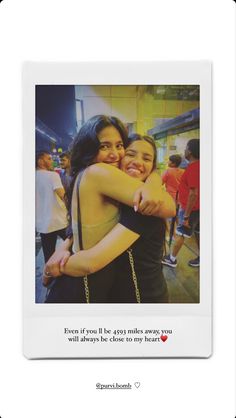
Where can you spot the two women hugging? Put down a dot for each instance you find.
(117, 211)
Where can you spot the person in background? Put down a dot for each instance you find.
(65, 173)
(172, 176)
(188, 216)
(171, 179)
(51, 212)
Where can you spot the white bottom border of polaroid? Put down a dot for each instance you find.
(116, 337)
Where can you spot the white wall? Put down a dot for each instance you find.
(119, 101)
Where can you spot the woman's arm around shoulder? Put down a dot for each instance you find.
(148, 198)
(112, 182)
(160, 203)
(89, 261)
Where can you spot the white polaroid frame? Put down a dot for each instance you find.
(190, 324)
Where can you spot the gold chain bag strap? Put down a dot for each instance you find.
(134, 277)
(86, 289)
(85, 279)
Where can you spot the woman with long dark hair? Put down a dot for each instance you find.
(96, 188)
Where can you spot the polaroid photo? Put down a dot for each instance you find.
(117, 210)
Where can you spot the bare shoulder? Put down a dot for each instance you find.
(101, 168)
(96, 174)
(109, 180)
(101, 171)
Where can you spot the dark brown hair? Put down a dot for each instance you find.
(176, 159)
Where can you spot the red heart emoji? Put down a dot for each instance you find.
(164, 338)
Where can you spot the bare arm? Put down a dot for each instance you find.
(148, 204)
(192, 197)
(52, 266)
(111, 246)
(60, 193)
(154, 179)
(167, 208)
(113, 183)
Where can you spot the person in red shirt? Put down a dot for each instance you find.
(188, 216)
(171, 179)
(172, 176)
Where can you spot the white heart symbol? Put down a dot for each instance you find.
(137, 384)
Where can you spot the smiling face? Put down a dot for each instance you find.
(111, 149)
(138, 160)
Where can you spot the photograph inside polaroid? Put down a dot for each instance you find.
(117, 188)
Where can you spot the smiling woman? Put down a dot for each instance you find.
(95, 193)
(140, 157)
(111, 148)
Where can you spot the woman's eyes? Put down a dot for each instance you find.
(106, 147)
(133, 154)
(130, 154)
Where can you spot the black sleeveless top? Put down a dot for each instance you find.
(147, 253)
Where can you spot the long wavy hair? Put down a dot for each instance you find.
(85, 146)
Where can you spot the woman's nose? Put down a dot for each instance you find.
(114, 152)
(138, 161)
